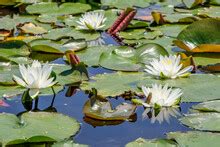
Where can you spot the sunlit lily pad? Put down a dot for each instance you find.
(114, 84)
(36, 127)
(59, 33)
(140, 142)
(209, 106)
(33, 29)
(124, 4)
(202, 121)
(129, 59)
(68, 143)
(200, 36)
(195, 139)
(65, 8)
(103, 110)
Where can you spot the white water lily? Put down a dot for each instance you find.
(165, 114)
(35, 77)
(161, 95)
(168, 67)
(91, 21)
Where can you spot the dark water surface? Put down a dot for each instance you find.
(107, 135)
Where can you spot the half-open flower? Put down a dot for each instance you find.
(168, 67)
(91, 21)
(162, 96)
(35, 77)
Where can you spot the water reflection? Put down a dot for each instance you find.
(162, 115)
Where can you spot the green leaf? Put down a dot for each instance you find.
(200, 36)
(124, 4)
(91, 55)
(114, 84)
(59, 33)
(195, 139)
(192, 3)
(129, 59)
(36, 127)
(202, 121)
(210, 106)
(52, 8)
(102, 110)
(140, 142)
(68, 143)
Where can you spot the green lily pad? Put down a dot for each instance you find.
(59, 33)
(65, 8)
(140, 142)
(114, 84)
(206, 58)
(202, 121)
(200, 36)
(36, 127)
(91, 55)
(68, 143)
(193, 87)
(195, 139)
(129, 59)
(47, 46)
(209, 106)
(192, 3)
(102, 110)
(124, 4)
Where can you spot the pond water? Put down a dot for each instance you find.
(100, 133)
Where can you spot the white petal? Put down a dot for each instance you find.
(19, 81)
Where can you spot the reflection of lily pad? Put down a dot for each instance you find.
(36, 127)
(201, 36)
(103, 110)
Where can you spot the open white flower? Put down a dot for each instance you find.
(35, 77)
(161, 95)
(168, 67)
(91, 21)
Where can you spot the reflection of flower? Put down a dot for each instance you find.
(164, 114)
(35, 77)
(97, 42)
(161, 95)
(91, 21)
(168, 67)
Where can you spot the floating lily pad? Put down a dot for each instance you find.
(102, 110)
(193, 87)
(200, 36)
(124, 4)
(206, 58)
(33, 29)
(195, 139)
(65, 8)
(129, 59)
(91, 55)
(69, 143)
(202, 121)
(59, 33)
(210, 106)
(36, 127)
(140, 142)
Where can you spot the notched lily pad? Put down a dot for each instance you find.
(36, 127)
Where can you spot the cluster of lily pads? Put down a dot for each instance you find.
(157, 56)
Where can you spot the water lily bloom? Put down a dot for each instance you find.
(35, 77)
(162, 96)
(91, 21)
(168, 67)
